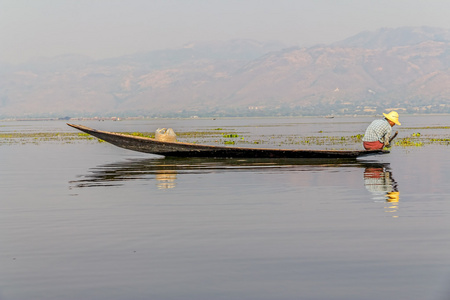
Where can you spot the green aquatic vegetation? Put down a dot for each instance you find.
(426, 127)
(358, 137)
(231, 135)
(140, 134)
(440, 141)
(325, 140)
(86, 136)
(36, 137)
(407, 142)
(90, 137)
(197, 134)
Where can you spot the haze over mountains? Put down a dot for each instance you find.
(403, 68)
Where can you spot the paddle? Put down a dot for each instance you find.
(393, 137)
(390, 140)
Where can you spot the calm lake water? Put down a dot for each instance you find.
(88, 220)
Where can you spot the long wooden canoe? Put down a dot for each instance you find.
(177, 149)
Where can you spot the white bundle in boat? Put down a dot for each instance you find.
(165, 135)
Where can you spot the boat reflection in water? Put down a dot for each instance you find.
(166, 171)
(377, 177)
(379, 182)
(166, 179)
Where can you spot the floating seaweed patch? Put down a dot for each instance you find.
(230, 135)
(141, 134)
(407, 142)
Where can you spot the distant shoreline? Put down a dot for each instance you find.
(201, 118)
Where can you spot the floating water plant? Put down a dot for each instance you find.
(86, 136)
(357, 137)
(141, 134)
(407, 142)
(231, 135)
(235, 136)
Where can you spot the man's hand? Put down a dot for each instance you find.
(393, 137)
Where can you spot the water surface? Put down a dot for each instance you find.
(87, 220)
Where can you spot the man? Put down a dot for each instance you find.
(379, 131)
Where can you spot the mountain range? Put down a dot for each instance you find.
(404, 68)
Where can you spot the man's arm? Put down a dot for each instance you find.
(387, 137)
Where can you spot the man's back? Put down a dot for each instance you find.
(378, 130)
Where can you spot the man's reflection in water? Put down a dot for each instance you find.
(379, 181)
(166, 179)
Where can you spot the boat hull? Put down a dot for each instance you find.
(177, 149)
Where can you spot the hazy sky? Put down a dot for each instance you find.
(108, 28)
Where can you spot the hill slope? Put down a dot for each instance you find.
(406, 68)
